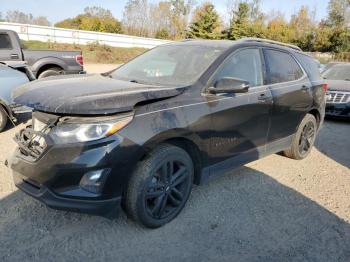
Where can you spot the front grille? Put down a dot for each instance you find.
(336, 97)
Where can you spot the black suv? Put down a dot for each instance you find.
(141, 135)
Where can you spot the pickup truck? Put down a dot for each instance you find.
(43, 63)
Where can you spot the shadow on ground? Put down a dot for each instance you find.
(246, 216)
(337, 149)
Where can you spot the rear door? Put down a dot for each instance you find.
(8, 50)
(240, 122)
(291, 91)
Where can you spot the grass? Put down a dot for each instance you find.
(93, 53)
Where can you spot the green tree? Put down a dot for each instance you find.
(239, 25)
(93, 19)
(206, 23)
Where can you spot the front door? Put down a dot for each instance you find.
(240, 122)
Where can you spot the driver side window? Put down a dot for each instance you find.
(245, 64)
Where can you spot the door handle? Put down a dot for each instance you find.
(263, 98)
(14, 56)
(305, 88)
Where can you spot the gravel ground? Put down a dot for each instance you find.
(274, 209)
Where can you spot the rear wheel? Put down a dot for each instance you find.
(3, 119)
(55, 71)
(303, 139)
(160, 186)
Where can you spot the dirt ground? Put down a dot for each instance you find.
(274, 209)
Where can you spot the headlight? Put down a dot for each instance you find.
(65, 133)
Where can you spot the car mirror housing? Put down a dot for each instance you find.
(230, 85)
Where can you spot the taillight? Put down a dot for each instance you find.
(79, 59)
(325, 87)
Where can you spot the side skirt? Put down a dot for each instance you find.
(232, 163)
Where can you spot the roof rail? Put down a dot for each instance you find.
(255, 39)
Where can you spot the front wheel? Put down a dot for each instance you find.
(303, 139)
(160, 186)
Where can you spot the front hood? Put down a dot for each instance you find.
(88, 94)
(338, 85)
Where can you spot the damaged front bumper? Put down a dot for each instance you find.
(53, 173)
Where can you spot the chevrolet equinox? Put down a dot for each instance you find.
(140, 136)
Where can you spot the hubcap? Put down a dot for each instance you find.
(167, 189)
(307, 138)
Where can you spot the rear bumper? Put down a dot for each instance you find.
(52, 200)
(338, 110)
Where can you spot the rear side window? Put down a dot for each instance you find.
(282, 67)
(244, 64)
(5, 42)
(310, 65)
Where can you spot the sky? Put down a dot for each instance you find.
(56, 10)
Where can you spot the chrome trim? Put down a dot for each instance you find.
(338, 97)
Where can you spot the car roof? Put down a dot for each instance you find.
(226, 44)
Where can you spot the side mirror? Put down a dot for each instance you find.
(229, 85)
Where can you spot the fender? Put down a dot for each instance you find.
(50, 60)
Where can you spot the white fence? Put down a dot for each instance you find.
(68, 36)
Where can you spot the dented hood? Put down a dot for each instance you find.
(88, 94)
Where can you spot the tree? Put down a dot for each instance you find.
(205, 23)
(1, 18)
(180, 12)
(162, 34)
(240, 22)
(303, 29)
(135, 17)
(339, 13)
(16, 16)
(93, 19)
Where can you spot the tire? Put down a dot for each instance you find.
(3, 119)
(55, 71)
(158, 190)
(303, 139)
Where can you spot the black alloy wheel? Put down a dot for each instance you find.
(307, 138)
(160, 186)
(167, 189)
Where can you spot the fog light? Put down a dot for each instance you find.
(94, 181)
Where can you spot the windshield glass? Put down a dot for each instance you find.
(174, 65)
(339, 72)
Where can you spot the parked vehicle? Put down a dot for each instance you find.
(176, 115)
(338, 95)
(11, 76)
(43, 63)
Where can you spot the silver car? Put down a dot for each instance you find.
(11, 76)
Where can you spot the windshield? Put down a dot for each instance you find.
(339, 72)
(174, 65)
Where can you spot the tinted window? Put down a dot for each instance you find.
(310, 65)
(244, 64)
(282, 67)
(5, 42)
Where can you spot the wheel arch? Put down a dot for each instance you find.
(316, 113)
(47, 67)
(185, 140)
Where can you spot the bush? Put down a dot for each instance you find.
(93, 52)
